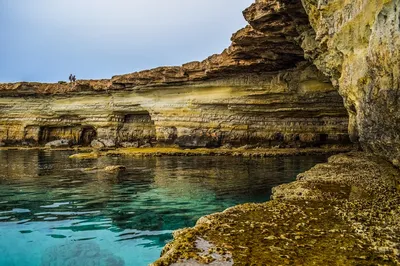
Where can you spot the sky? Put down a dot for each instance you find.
(46, 40)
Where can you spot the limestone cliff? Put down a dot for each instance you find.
(259, 90)
(356, 43)
(297, 106)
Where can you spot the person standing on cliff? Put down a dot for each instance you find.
(70, 77)
(73, 78)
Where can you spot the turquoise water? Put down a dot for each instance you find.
(55, 212)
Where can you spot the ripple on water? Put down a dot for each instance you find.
(53, 213)
(55, 205)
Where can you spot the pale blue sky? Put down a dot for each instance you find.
(46, 40)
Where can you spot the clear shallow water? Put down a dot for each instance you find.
(53, 212)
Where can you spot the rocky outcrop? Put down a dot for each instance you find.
(356, 43)
(344, 212)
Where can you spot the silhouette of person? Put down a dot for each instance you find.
(70, 78)
(73, 78)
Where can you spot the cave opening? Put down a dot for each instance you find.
(323, 138)
(51, 133)
(77, 134)
(87, 136)
(137, 127)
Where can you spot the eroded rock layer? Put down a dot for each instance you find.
(259, 90)
(294, 107)
(357, 44)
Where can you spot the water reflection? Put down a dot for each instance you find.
(58, 204)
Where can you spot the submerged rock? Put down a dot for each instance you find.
(114, 168)
(86, 155)
(80, 253)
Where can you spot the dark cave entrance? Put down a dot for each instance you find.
(87, 136)
(77, 134)
(51, 133)
(323, 138)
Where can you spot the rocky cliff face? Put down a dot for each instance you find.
(259, 90)
(296, 107)
(356, 43)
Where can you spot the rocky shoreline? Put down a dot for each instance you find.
(344, 212)
(248, 151)
(244, 152)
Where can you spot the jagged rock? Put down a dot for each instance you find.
(357, 45)
(61, 143)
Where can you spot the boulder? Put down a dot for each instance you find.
(108, 143)
(97, 144)
(102, 143)
(61, 143)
